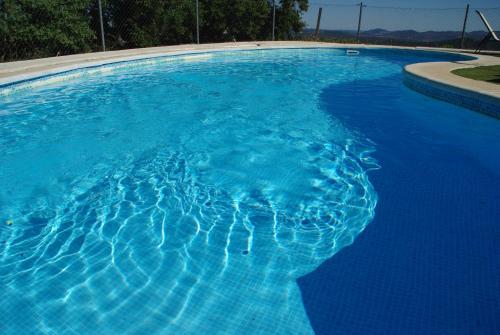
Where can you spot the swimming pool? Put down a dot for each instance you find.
(217, 192)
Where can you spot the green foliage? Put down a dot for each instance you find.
(288, 18)
(41, 28)
(144, 23)
(238, 20)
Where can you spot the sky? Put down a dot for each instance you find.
(420, 15)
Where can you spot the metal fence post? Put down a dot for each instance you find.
(316, 33)
(359, 21)
(197, 22)
(464, 27)
(274, 16)
(102, 25)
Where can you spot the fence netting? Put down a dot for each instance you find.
(407, 26)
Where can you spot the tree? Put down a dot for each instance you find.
(289, 18)
(240, 20)
(243, 20)
(41, 28)
(143, 23)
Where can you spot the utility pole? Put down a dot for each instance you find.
(274, 16)
(102, 25)
(464, 27)
(316, 33)
(197, 22)
(359, 20)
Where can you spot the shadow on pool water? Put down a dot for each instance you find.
(429, 263)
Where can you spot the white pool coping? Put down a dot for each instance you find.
(437, 80)
(433, 73)
(440, 72)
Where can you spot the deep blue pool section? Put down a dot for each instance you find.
(429, 263)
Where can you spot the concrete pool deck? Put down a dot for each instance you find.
(433, 79)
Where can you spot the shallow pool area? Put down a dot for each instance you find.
(221, 192)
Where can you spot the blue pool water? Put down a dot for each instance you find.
(218, 193)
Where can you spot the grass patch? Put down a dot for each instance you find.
(485, 73)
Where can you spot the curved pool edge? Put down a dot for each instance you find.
(437, 81)
(432, 79)
(25, 70)
(20, 71)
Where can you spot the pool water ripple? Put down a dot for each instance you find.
(179, 197)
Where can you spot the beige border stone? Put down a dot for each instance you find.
(440, 72)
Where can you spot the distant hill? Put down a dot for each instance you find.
(404, 37)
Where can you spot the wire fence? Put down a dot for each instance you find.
(44, 28)
(408, 26)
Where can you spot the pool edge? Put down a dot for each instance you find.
(437, 81)
(18, 71)
(432, 79)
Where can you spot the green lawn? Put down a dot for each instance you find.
(486, 73)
